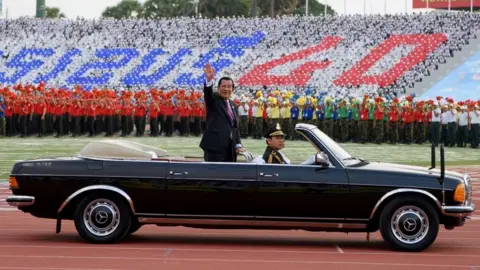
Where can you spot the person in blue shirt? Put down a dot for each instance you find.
(294, 112)
(307, 113)
(320, 115)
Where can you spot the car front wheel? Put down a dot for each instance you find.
(102, 218)
(409, 223)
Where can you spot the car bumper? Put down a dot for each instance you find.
(459, 211)
(20, 201)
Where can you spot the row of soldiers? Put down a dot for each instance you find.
(374, 120)
(79, 113)
(371, 120)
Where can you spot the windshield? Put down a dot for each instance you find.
(333, 146)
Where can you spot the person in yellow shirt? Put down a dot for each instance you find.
(273, 112)
(285, 115)
(258, 118)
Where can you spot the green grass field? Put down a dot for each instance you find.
(14, 149)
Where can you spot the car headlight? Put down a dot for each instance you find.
(459, 194)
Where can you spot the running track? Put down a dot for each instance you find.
(30, 243)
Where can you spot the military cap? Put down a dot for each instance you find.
(275, 130)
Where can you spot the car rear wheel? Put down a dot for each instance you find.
(409, 223)
(103, 218)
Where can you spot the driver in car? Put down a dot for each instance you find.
(275, 139)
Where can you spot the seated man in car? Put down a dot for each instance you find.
(275, 139)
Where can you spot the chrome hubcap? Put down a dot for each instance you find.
(410, 224)
(101, 217)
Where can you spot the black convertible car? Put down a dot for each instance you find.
(113, 187)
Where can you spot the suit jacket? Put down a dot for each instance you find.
(220, 135)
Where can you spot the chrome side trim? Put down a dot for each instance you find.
(20, 201)
(208, 216)
(97, 187)
(404, 190)
(188, 216)
(243, 222)
(300, 218)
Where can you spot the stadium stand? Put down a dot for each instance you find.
(340, 54)
(348, 75)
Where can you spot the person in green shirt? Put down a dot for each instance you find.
(385, 121)
(328, 117)
(343, 109)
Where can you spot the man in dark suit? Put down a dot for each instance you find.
(221, 138)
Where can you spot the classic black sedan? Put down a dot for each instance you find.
(113, 187)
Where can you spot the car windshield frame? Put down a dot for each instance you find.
(342, 155)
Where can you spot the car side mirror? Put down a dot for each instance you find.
(322, 160)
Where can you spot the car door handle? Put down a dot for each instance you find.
(178, 173)
(268, 175)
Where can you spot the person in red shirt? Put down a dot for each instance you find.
(108, 116)
(420, 118)
(153, 111)
(379, 114)
(196, 114)
(393, 116)
(408, 124)
(184, 113)
(364, 122)
(16, 116)
(23, 114)
(59, 115)
(140, 114)
(75, 116)
(91, 115)
(8, 117)
(40, 110)
(49, 118)
(169, 111)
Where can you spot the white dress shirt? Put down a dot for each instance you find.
(463, 119)
(474, 117)
(445, 118)
(436, 118)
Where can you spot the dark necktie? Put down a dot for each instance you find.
(229, 110)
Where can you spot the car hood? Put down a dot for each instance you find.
(409, 169)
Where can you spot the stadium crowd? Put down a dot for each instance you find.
(348, 104)
(369, 119)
